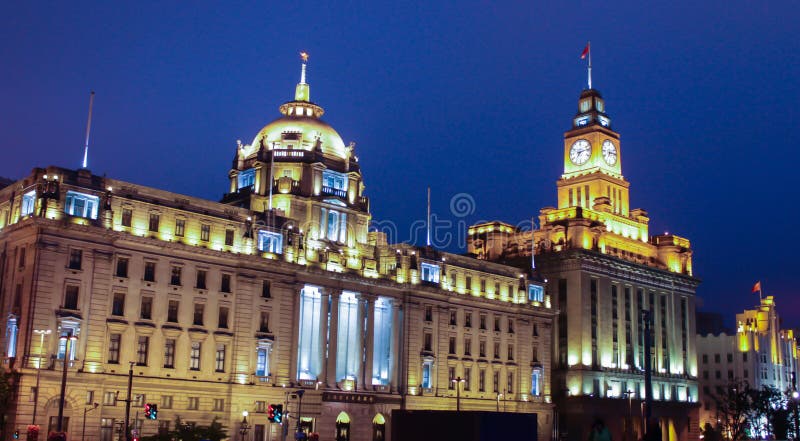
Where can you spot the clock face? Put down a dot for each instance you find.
(580, 152)
(609, 152)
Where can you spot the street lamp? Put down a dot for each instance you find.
(458, 381)
(68, 339)
(85, 411)
(244, 426)
(298, 430)
(41, 333)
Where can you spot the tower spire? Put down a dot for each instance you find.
(302, 92)
(88, 130)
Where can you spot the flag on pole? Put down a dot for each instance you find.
(585, 51)
(757, 287)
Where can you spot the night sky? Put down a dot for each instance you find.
(464, 97)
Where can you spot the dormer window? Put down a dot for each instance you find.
(81, 204)
(28, 202)
(535, 293)
(270, 241)
(246, 178)
(430, 272)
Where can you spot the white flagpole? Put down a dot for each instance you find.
(589, 45)
(88, 130)
(533, 244)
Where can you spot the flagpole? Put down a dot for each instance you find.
(759, 293)
(589, 45)
(533, 244)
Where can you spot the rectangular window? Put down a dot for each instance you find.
(309, 358)
(496, 382)
(453, 318)
(469, 283)
(333, 225)
(497, 324)
(482, 322)
(169, 353)
(175, 276)
(263, 325)
(451, 377)
(21, 263)
(428, 313)
(113, 348)
(228, 237)
(270, 242)
(510, 323)
(536, 382)
(430, 272)
(172, 311)
(220, 358)
(426, 375)
(467, 346)
(510, 352)
(451, 347)
(110, 399)
(219, 404)
(155, 218)
(332, 181)
(262, 361)
(266, 289)
(122, 267)
(28, 203)
(225, 284)
(482, 380)
(205, 232)
(71, 297)
(468, 320)
(75, 259)
(467, 375)
(149, 271)
(118, 305)
(199, 308)
(81, 205)
(142, 350)
(194, 356)
(482, 348)
(89, 397)
(127, 217)
(166, 402)
(193, 403)
(511, 382)
(222, 321)
(146, 312)
(246, 178)
(201, 279)
(180, 227)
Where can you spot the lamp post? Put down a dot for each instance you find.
(298, 432)
(244, 426)
(85, 411)
(499, 395)
(457, 381)
(68, 339)
(41, 333)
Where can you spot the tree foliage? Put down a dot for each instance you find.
(744, 412)
(186, 432)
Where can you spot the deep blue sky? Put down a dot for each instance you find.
(468, 97)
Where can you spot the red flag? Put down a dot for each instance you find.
(585, 51)
(757, 287)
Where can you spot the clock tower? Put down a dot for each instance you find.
(592, 160)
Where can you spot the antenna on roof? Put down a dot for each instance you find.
(88, 130)
(428, 218)
(533, 244)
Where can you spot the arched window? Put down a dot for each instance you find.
(378, 428)
(343, 427)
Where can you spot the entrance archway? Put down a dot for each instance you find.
(378, 428)
(343, 427)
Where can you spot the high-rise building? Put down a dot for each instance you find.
(603, 269)
(224, 307)
(759, 354)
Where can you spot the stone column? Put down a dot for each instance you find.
(397, 344)
(369, 344)
(360, 340)
(323, 332)
(330, 377)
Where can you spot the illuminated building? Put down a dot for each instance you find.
(760, 354)
(603, 268)
(232, 306)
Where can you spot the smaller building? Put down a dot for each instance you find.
(759, 353)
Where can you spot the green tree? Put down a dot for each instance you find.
(186, 432)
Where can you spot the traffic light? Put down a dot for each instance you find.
(16, 434)
(278, 413)
(271, 413)
(150, 411)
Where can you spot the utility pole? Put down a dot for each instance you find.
(648, 368)
(68, 338)
(128, 403)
